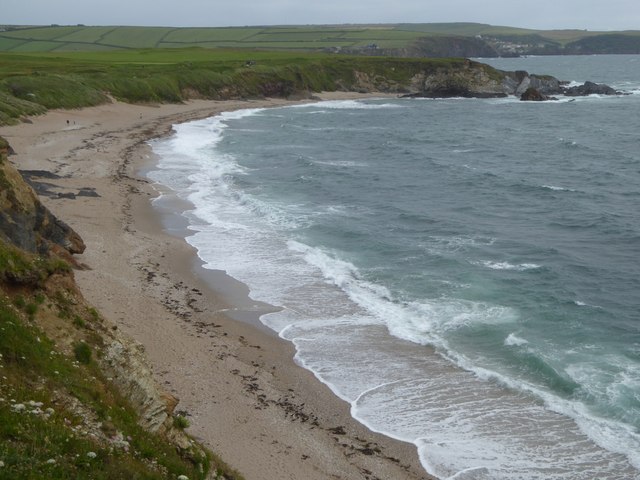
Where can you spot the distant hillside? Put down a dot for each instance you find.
(414, 40)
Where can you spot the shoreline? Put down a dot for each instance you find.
(244, 395)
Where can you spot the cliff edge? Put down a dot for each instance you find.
(77, 398)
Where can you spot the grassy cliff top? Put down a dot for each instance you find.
(31, 83)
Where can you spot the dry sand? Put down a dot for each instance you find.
(245, 397)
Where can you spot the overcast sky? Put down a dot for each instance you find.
(540, 14)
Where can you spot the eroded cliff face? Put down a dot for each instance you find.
(453, 78)
(25, 222)
(477, 80)
(519, 81)
(471, 80)
(34, 246)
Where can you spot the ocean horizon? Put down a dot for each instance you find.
(463, 272)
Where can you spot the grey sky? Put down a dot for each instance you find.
(542, 14)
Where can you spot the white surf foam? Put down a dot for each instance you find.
(558, 189)
(348, 105)
(514, 341)
(520, 267)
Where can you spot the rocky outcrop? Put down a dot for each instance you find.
(124, 362)
(476, 80)
(28, 225)
(516, 83)
(590, 88)
(467, 79)
(533, 95)
(454, 77)
(25, 222)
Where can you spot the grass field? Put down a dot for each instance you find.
(33, 82)
(310, 38)
(78, 38)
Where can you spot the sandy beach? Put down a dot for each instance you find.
(237, 382)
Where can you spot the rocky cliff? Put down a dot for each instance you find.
(489, 46)
(69, 372)
(25, 222)
(474, 79)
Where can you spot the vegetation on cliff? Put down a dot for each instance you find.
(31, 83)
(70, 383)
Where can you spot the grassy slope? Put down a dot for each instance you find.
(31, 82)
(75, 38)
(60, 417)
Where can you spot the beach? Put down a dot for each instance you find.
(236, 381)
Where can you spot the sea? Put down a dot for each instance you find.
(464, 272)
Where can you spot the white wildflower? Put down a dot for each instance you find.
(183, 477)
(51, 461)
(1, 464)
(92, 454)
(18, 407)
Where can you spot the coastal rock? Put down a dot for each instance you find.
(533, 95)
(545, 84)
(516, 83)
(475, 80)
(466, 79)
(27, 225)
(124, 361)
(590, 88)
(26, 222)
(513, 81)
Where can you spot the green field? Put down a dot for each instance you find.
(45, 39)
(31, 82)
(311, 38)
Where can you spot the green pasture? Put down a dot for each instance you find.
(86, 35)
(196, 36)
(134, 37)
(43, 39)
(93, 38)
